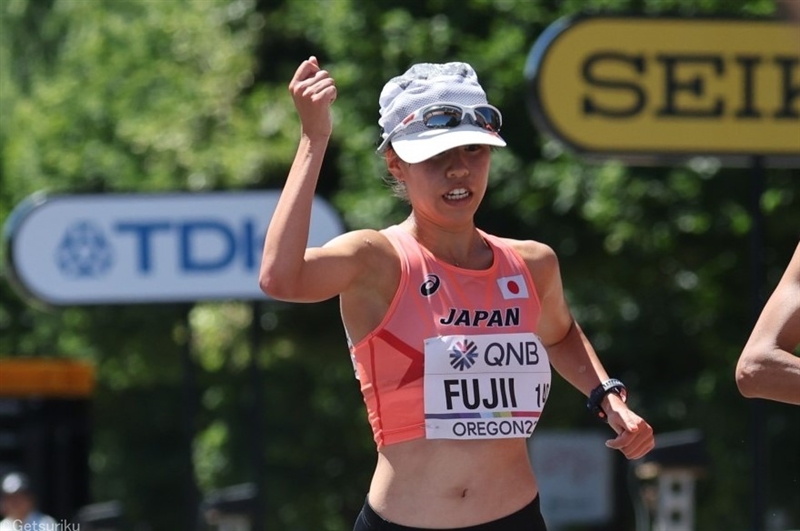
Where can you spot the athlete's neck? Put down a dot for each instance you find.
(461, 246)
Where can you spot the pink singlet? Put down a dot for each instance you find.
(457, 355)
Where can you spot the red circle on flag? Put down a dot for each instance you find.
(512, 287)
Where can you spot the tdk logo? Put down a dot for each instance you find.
(191, 238)
(84, 251)
(147, 248)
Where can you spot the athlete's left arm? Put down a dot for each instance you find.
(572, 355)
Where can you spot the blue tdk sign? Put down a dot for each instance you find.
(118, 249)
(192, 239)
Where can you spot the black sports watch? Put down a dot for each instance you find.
(598, 393)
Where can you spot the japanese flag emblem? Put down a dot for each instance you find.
(513, 287)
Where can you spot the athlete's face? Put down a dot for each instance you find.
(448, 186)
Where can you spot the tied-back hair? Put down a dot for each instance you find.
(397, 186)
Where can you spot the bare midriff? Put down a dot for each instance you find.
(448, 483)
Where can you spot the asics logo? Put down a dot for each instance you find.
(430, 285)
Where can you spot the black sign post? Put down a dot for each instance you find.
(757, 418)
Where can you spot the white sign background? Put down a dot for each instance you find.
(134, 248)
(575, 475)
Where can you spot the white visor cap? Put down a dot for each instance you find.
(427, 84)
(417, 147)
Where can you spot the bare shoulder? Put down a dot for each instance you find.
(542, 263)
(378, 271)
(372, 258)
(540, 257)
(362, 242)
(531, 249)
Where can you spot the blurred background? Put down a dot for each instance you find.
(241, 413)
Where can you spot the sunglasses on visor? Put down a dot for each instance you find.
(449, 115)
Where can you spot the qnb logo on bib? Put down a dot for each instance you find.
(430, 285)
(486, 386)
(463, 354)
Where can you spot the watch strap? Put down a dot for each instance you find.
(612, 385)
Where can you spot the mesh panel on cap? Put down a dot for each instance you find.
(424, 84)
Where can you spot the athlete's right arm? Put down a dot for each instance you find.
(288, 270)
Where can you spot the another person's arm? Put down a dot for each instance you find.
(767, 367)
(573, 356)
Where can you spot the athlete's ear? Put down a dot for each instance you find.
(395, 164)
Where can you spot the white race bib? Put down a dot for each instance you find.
(490, 386)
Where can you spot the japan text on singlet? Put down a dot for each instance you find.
(457, 355)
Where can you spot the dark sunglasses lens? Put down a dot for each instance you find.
(440, 117)
(488, 118)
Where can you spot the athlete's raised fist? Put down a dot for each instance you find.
(313, 91)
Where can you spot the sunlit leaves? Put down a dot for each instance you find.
(209, 453)
(218, 335)
(146, 118)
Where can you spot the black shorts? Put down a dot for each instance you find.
(529, 518)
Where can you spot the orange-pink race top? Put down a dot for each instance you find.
(457, 355)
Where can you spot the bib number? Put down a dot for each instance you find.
(490, 386)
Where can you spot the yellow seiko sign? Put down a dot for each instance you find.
(626, 86)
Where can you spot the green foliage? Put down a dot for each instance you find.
(142, 95)
(135, 96)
